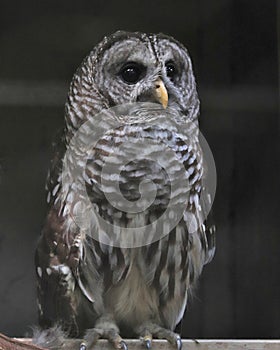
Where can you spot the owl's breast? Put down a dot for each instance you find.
(134, 173)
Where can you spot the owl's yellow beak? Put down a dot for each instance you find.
(161, 94)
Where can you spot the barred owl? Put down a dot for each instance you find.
(97, 281)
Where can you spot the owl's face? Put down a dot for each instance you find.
(133, 67)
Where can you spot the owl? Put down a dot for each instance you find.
(125, 238)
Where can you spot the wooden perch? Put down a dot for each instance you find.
(7, 343)
(134, 344)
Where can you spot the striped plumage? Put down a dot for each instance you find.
(88, 277)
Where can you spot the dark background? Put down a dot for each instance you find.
(233, 44)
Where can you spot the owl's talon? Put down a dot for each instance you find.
(148, 344)
(83, 346)
(179, 343)
(123, 345)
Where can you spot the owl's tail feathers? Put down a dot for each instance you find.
(51, 338)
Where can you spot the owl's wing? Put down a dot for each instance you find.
(55, 279)
(207, 227)
(59, 254)
(209, 230)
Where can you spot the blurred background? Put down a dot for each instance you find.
(233, 44)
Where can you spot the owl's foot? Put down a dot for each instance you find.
(150, 330)
(106, 330)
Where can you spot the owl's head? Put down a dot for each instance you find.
(129, 67)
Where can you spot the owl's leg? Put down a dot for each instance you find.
(105, 328)
(149, 330)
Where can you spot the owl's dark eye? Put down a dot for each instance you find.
(132, 72)
(171, 70)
